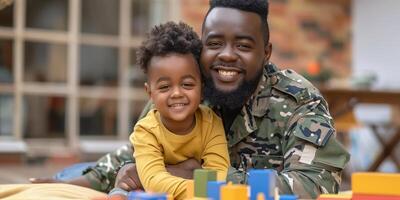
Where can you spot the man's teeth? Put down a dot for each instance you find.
(227, 73)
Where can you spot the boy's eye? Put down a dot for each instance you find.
(188, 85)
(163, 87)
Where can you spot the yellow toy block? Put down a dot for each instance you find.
(376, 183)
(335, 197)
(190, 189)
(236, 192)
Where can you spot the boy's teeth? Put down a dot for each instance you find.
(227, 73)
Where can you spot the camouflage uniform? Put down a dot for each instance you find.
(285, 126)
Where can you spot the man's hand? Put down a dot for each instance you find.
(127, 178)
(184, 169)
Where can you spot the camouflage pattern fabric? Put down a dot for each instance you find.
(284, 126)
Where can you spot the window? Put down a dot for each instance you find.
(67, 68)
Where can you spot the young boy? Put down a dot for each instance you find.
(177, 129)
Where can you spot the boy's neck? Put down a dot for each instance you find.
(181, 127)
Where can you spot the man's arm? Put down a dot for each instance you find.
(313, 157)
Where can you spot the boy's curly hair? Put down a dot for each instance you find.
(168, 38)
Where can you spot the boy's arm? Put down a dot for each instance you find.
(150, 165)
(215, 155)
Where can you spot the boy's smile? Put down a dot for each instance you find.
(174, 85)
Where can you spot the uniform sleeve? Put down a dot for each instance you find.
(150, 165)
(102, 176)
(313, 157)
(215, 155)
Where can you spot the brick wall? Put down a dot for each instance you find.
(302, 32)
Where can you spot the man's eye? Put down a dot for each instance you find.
(244, 46)
(214, 44)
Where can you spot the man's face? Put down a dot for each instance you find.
(234, 50)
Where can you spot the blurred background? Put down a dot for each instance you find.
(70, 90)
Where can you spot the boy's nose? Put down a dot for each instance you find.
(176, 92)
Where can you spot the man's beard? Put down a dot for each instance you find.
(233, 99)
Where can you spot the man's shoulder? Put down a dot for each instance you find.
(289, 82)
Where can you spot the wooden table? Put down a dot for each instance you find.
(344, 100)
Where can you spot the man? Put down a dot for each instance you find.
(273, 119)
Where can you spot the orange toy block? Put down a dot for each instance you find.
(335, 197)
(376, 184)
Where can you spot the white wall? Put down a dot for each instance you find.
(376, 40)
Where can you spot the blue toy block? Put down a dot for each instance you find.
(287, 197)
(146, 196)
(213, 189)
(262, 181)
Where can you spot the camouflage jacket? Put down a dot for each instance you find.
(285, 126)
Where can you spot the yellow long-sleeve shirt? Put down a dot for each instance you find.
(155, 146)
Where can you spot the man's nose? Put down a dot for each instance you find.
(228, 54)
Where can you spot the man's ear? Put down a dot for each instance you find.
(147, 88)
(267, 52)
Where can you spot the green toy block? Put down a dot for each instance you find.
(201, 178)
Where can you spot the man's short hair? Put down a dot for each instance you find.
(260, 7)
(168, 38)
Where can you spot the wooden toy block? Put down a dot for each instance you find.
(374, 197)
(234, 192)
(335, 197)
(213, 189)
(376, 183)
(287, 197)
(201, 177)
(262, 181)
(190, 189)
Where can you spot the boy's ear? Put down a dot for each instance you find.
(147, 88)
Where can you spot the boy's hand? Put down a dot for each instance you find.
(127, 178)
(184, 169)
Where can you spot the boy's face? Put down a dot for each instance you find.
(174, 86)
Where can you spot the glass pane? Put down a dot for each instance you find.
(136, 75)
(6, 114)
(135, 111)
(99, 65)
(6, 61)
(100, 16)
(47, 14)
(98, 117)
(45, 62)
(7, 16)
(140, 17)
(44, 117)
